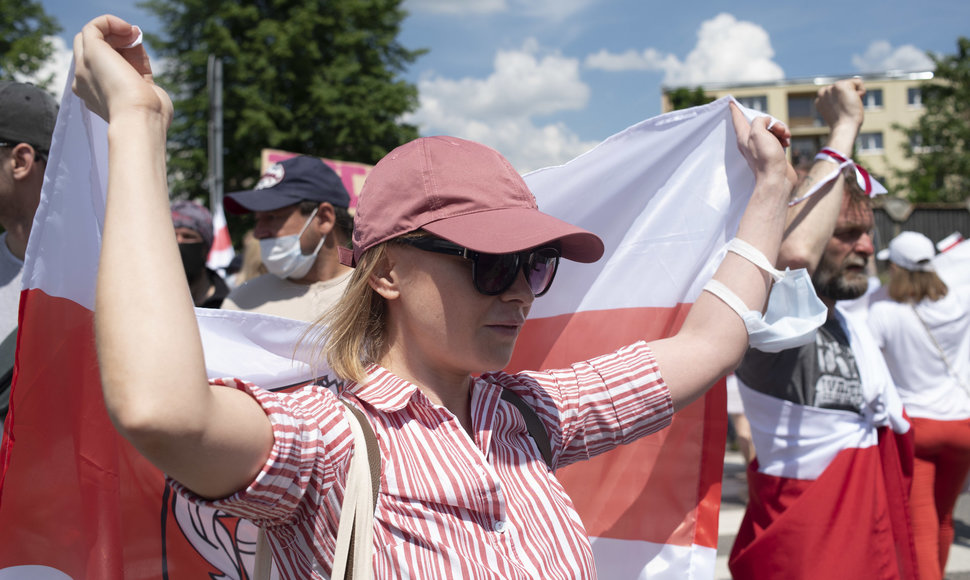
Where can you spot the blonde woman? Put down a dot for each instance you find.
(924, 333)
(450, 252)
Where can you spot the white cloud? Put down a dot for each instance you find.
(499, 110)
(649, 59)
(727, 50)
(881, 57)
(56, 68)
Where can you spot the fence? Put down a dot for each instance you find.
(934, 220)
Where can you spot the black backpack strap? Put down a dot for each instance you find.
(532, 422)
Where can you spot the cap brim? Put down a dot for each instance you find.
(883, 254)
(257, 200)
(509, 230)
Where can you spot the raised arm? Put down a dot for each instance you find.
(811, 223)
(713, 338)
(212, 439)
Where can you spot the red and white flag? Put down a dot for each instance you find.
(827, 483)
(953, 264)
(221, 253)
(666, 195)
(79, 501)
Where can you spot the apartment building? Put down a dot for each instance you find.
(891, 98)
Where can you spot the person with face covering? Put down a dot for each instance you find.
(193, 232)
(923, 329)
(449, 254)
(300, 207)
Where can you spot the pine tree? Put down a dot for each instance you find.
(318, 77)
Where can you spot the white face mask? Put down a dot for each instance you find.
(283, 257)
(793, 315)
(794, 311)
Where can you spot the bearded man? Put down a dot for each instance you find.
(829, 486)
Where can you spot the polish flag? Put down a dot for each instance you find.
(77, 501)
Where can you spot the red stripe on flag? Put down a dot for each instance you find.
(664, 488)
(221, 241)
(790, 528)
(76, 496)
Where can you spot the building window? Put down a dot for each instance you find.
(872, 99)
(914, 97)
(758, 103)
(802, 112)
(869, 142)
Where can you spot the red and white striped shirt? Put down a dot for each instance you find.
(450, 506)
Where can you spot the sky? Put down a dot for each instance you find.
(542, 81)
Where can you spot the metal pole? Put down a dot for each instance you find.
(215, 178)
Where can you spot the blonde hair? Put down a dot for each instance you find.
(350, 334)
(909, 286)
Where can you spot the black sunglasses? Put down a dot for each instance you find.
(495, 273)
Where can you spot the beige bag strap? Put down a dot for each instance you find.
(946, 361)
(264, 558)
(355, 531)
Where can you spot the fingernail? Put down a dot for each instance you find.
(138, 40)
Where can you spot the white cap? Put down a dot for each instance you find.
(910, 250)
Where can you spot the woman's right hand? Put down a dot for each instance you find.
(111, 76)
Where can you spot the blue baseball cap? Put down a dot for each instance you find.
(289, 182)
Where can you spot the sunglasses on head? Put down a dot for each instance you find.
(495, 273)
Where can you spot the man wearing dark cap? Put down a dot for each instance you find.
(27, 116)
(300, 206)
(193, 231)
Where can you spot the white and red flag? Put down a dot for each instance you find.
(76, 499)
(221, 253)
(829, 489)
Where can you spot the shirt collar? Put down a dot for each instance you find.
(384, 390)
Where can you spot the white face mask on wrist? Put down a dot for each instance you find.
(283, 256)
(794, 310)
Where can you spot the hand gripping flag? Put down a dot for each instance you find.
(666, 195)
(77, 501)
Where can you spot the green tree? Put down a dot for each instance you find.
(940, 141)
(685, 98)
(24, 28)
(319, 77)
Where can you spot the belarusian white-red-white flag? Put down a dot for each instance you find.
(77, 499)
(221, 253)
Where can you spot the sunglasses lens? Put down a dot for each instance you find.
(494, 273)
(541, 269)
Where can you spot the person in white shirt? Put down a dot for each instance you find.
(27, 116)
(924, 332)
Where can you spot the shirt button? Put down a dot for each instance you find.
(500, 526)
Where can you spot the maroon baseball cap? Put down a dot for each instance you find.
(463, 192)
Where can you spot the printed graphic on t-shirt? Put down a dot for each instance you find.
(838, 385)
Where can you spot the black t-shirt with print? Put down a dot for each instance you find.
(823, 374)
